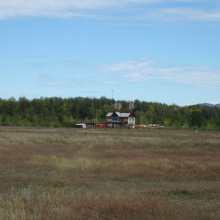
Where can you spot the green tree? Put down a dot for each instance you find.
(195, 118)
(150, 114)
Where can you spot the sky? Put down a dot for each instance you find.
(151, 50)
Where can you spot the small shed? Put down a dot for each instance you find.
(81, 125)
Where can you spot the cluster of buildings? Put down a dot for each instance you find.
(114, 120)
(117, 119)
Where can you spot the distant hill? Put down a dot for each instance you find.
(209, 105)
(79, 97)
(206, 104)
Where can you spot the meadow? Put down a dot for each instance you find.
(66, 173)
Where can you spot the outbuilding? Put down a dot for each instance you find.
(81, 125)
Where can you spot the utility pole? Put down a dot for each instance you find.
(95, 111)
(112, 101)
(141, 109)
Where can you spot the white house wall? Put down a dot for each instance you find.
(131, 120)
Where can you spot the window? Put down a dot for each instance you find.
(115, 118)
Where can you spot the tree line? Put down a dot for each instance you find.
(65, 112)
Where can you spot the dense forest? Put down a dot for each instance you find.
(59, 112)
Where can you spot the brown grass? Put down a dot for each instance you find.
(113, 174)
(61, 204)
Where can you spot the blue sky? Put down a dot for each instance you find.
(164, 51)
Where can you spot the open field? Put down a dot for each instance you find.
(57, 173)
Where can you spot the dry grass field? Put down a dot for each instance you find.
(51, 173)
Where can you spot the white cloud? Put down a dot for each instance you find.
(165, 58)
(59, 8)
(206, 77)
(181, 14)
(48, 81)
(149, 86)
(141, 9)
(127, 65)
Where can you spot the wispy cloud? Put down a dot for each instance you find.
(176, 14)
(151, 86)
(137, 71)
(127, 65)
(46, 80)
(165, 58)
(153, 10)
